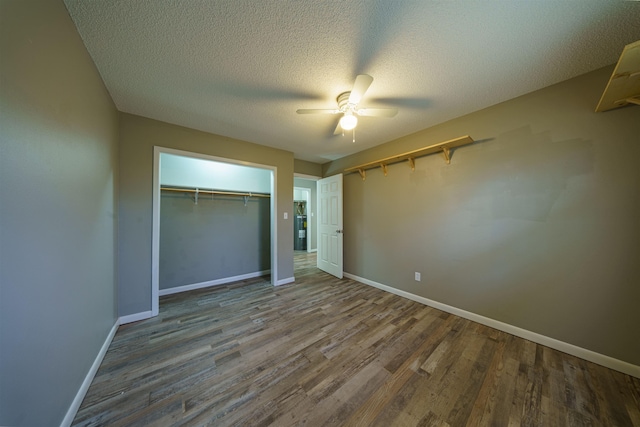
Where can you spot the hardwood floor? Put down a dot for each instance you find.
(323, 351)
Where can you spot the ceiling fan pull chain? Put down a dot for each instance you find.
(354, 136)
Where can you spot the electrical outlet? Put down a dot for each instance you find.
(286, 215)
(417, 276)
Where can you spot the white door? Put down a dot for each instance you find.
(330, 225)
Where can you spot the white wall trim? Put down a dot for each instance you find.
(583, 353)
(313, 250)
(135, 317)
(215, 282)
(285, 281)
(305, 176)
(82, 392)
(155, 232)
(275, 216)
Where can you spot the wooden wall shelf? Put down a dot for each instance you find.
(442, 147)
(623, 87)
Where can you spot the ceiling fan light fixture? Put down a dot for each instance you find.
(348, 107)
(348, 121)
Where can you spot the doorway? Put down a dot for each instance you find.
(304, 196)
(302, 227)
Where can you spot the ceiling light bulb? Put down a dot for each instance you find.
(348, 121)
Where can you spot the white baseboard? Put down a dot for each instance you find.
(135, 317)
(82, 392)
(312, 250)
(216, 282)
(583, 353)
(285, 281)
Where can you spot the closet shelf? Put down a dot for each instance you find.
(197, 191)
(442, 147)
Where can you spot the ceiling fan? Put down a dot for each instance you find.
(348, 106)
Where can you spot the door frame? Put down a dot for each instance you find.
(309, 205)
(155, 234)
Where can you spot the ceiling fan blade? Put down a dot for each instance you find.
(377, 112)
(317, 111)
(363, 81)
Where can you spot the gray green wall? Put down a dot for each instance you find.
(536, 225)
(217, 238)
(58, 158)
(138, 136)
(307, 168)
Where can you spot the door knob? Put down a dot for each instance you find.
(339, 231)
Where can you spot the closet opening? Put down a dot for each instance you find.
(213, 222)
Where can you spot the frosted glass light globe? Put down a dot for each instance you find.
(348, 121)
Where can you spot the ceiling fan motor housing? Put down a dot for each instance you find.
(343, 101)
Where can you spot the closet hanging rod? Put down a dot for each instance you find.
(220, 192)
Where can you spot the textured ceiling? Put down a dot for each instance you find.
(241, 68)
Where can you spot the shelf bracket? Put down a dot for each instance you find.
(362, 173)
(633, 100)
(626, 101)
(412, 164)
(195, 197)
(246, 199)
(384, 168)
(447, 154)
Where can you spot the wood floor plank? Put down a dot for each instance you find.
(324, 351)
